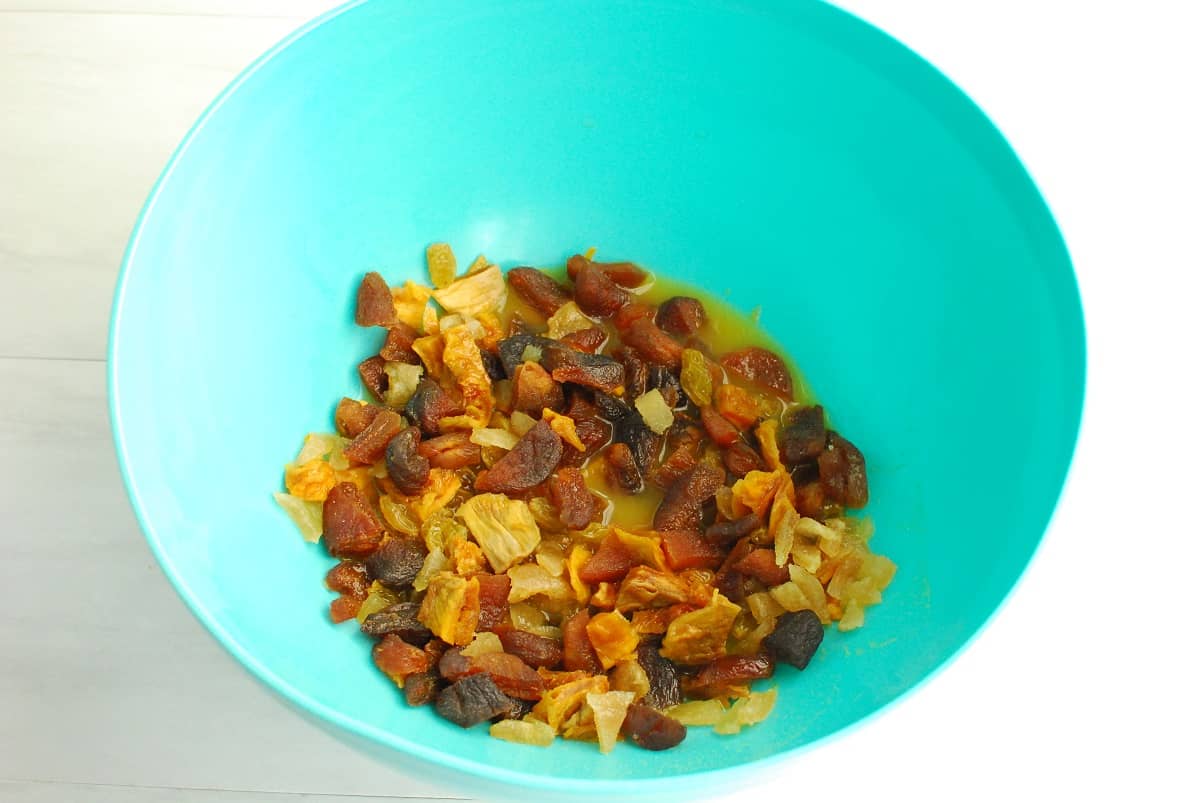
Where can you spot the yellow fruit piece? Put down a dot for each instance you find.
(523, 731)
(378, 598)
(697, 712)
(698, 637)
(475, 293)
(482, 644)
(409, 302)
(306, 515)
(442, 486)
(767, 434)
(443, 267)
(565, 427)
(569, 318)
(561, 702)
(645, 549)
(462, 358)
(654, 410)
(579, 556)
(451, 608)
(628, 675)
(694, 377)
(430, 349)
(612, 637)
(311, 481)
(503, 527)
(608, 713)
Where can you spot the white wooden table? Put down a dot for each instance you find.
(111, 691)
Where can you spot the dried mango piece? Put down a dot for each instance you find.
(409, 301)
(698, 637)
(564, 426)
(612, 637)
(430, 349)
(579, 556)
(561, 702)
(645, 549)
(767, 434)
(755, 492)
(311, 481)
(451, 608)
(443, 485)
(462, 358)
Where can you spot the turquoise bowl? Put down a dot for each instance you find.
(784, 155)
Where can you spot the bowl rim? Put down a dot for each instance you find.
(479, 769)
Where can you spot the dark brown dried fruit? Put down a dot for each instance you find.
(350, 527)
(569, 493)
(596, 294)
(622, 468)
(512, 675)
(493, 600)
(538, 290)
(512, 349)
(398, 659)
(592, 430)
(760, 367)
(374, 378)
(637, 374)
(760, 564)
(589, 340)
(685, 550)
(534, 390)
(453, 450)
(810, 498)
(681, 315)
(796, 637)
(652, 730)
(721, 431)
(531, 648)
(666, 383)
(803, 439)
(590, 370)
(352, 417)
(653, 344)
(528, 463)
(726, 532)
(408, 469)
(429, 405)
(374, 307)
(631, 312)
(399, 619)
(625, 274)
(682, 505)
(663, 676)
(397, 347)
(421, 688)
(843, 472)
(740, 458)
(578, 653)
(396, 563)
(372, 442)
(493, 365)
(718, 678)
(472, 700)
(454, 666)
(682, 458)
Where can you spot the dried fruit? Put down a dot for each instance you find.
(803, 439)
(622, 468)
(695, 378)
(653, 344)
(699, 637)
(662, 675)
(538, 290)
(570, 494)
(374, 377)
(349, 525)
(652, 730)
(374, 306)
(726, 532)
(493, 600)
(503, 527)
(737, 406)
(625, 274)
(474, 699)
(589, 370)
(535, 390)
(352, 417)
(476, 293)
(528, 464)
(760, 367)
(718, 428)
(843, 471)
(590, 339)
(681, 507)
(796, 637)
(719, 678)
(531, 648)
(612, 637)
(397, 346)
(398, 659)
(655, 411)
(578, 653)
(399, 619)
(596, 294)
(428, 405)
(681, 315)
(453, 450)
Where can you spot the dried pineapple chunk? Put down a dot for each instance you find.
(608, 713)
(311, 481)
(484, 291)
(503, 527)
(442, 265)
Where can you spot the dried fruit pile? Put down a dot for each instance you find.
(473, 504)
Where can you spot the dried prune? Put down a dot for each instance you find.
(405, 467)
(517, 709)
(589, 370)
(421, 688)
(760, 367)
(526, 465)
(372, 442)
(796, 637)
(453, 450)
(429, 405)
(492, 365)
(374, 307)
(740, 458)
(682, 505)
(665, 382)
(352, 417)
(399, 619)
(493, 600)
(397, 346)
(596, 294)
(681, 315)
(622, 468)
(719, 677)
(578, 653)
(396, 563)
(472, 700)
(652, 730)
(569, 493)
(760, 564)
(589, 340)
(531, 648)
(653, 344)
(373, 377)
(625, 274)
(631, 430)
(513, 349)
(351, 529)
(803, 439)
(843, 472)
(726, 532)
(637, 374)
(534, 390)
(662, 674)
(538, 290)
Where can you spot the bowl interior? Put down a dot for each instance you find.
(791, 158)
